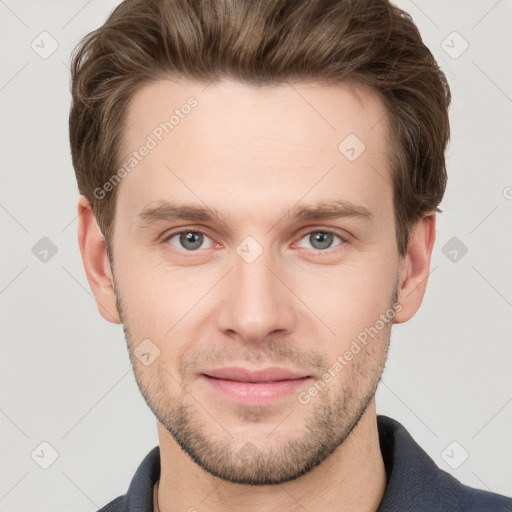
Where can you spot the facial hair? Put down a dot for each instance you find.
(333, 413)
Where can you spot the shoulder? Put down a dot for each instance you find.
(415, 482)
(474, 500)
(139, 497)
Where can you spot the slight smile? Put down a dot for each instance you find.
(254, 387)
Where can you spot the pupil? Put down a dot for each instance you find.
(191, 240)
(322, 239)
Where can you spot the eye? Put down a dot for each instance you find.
(321, 239)
(190, 240)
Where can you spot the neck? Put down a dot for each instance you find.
(351, 478)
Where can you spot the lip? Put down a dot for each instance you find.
(240, 374)
(253, 387)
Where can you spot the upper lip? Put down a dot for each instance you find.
(245, 375)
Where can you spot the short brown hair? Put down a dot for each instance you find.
(369, 42)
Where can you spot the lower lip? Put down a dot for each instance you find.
(255, 393)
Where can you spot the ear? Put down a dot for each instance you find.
(415, 268)
(96, 263)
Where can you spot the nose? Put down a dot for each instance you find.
(256, 300)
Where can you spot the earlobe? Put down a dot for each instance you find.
(415, 268)
(96, 263)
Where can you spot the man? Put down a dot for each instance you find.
(259, 185)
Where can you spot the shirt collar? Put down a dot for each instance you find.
(411, 474)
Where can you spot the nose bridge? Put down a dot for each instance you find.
(256, 302)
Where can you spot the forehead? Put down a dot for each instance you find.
(291, 113)
(255, 145)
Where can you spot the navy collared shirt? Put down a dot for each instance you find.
(414, 482)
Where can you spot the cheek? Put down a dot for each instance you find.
(349, 297)
(160, 300)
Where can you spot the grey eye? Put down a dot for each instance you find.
(189, 240)
(320, 240)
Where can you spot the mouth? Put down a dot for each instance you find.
(254, 387)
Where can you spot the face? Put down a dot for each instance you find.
(256, 268)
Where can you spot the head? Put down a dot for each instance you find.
(259, 183)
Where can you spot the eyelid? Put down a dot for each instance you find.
(325, 229)
(306, 231)
(185, 229)
(309, 230)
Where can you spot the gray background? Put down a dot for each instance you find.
(65, 375)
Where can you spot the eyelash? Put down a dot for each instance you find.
(315, 251)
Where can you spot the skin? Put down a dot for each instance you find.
(254, 153)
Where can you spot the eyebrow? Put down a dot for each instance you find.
(166, 211)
